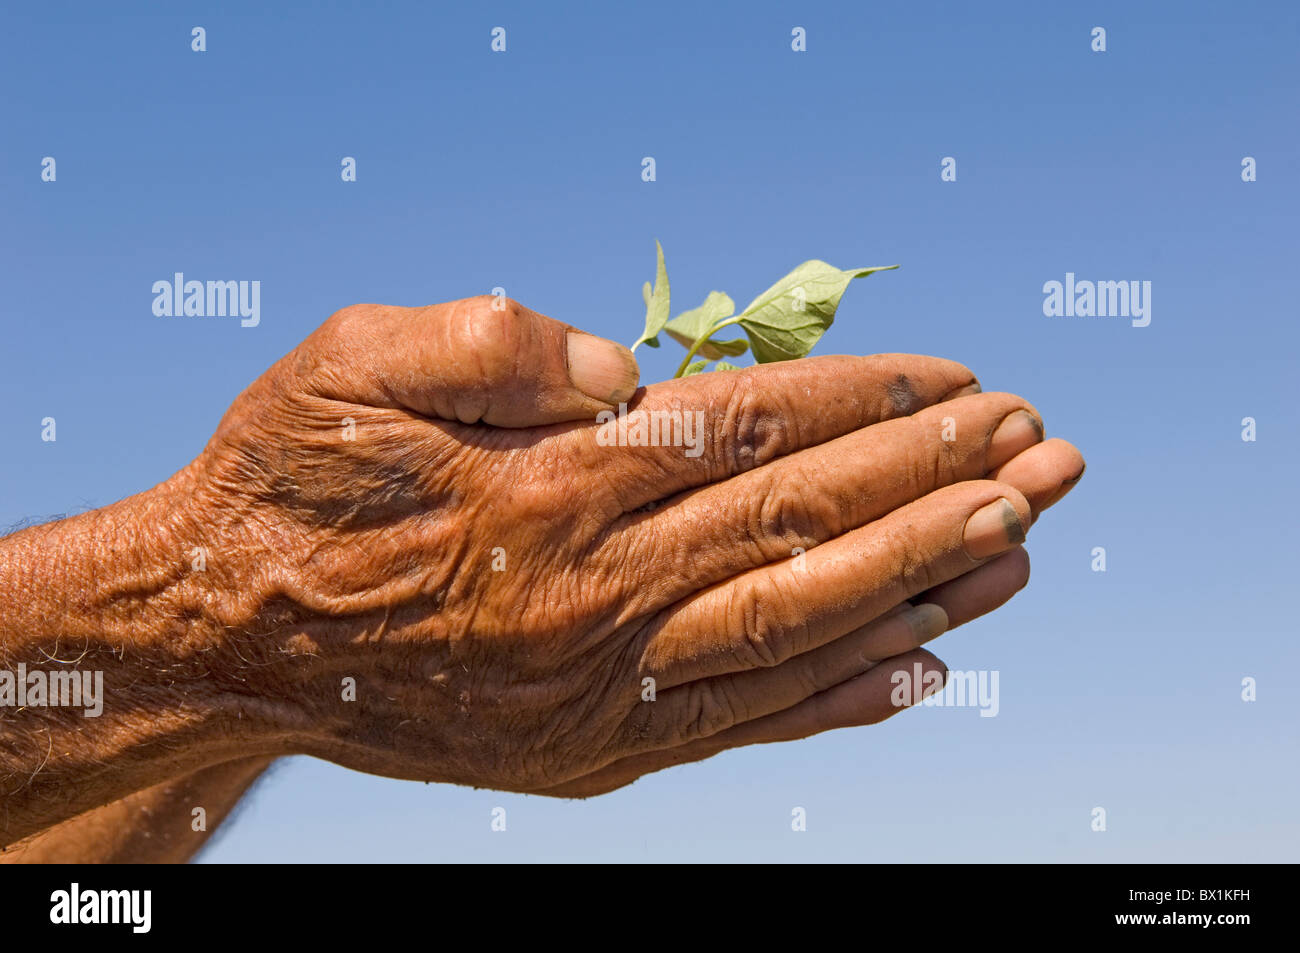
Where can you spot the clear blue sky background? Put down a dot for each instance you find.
(1118, 689)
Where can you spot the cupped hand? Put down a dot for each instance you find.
(431, 559)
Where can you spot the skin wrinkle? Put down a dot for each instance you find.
(332, 558)
(744, 424)
(880, 480)
(472, 405)
(141, 829)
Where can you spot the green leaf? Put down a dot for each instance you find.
(656, 302)
(787, 320)
(724, 366)
(694, 368)
(689, 326)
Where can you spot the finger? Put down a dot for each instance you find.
(705, 428)
(1045, 473)
(767, 615)
(795, 503)
(691, 711)
(962, 600)
(706, 707)
(482, 359)
(981, 590)
(865, 700)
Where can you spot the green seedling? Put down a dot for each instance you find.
(781, 324)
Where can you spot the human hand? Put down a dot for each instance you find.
(500, 594)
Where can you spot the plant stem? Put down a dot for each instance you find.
(699, 343)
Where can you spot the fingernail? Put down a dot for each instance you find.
(927, 621)
(1065, 488)
(1018, 432)
(964, 391)
(992, 529)
(602, 369)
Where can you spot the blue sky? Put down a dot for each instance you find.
(522, 170)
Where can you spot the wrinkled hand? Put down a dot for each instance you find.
(421, 500)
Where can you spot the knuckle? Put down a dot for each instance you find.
(488, 307)
(812, 676)
(340, 327)
(768, 519)
(335, 343)
(489, 346)
(790, 512)
(343, 321)
(490, 337)
(754, 427)
(761, 641)
(711, 709)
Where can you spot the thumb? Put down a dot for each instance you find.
(485, 359)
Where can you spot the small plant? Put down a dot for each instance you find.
(781, 324)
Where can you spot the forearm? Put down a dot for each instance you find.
(107, 602)
(166, 823)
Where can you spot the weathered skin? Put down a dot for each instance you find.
(401, 502)
(153, 826)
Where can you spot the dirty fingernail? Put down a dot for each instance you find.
(992, 529)
(927, 621)
(602, 369)
(965, 391)
(1065, 488)
(1018, 432)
